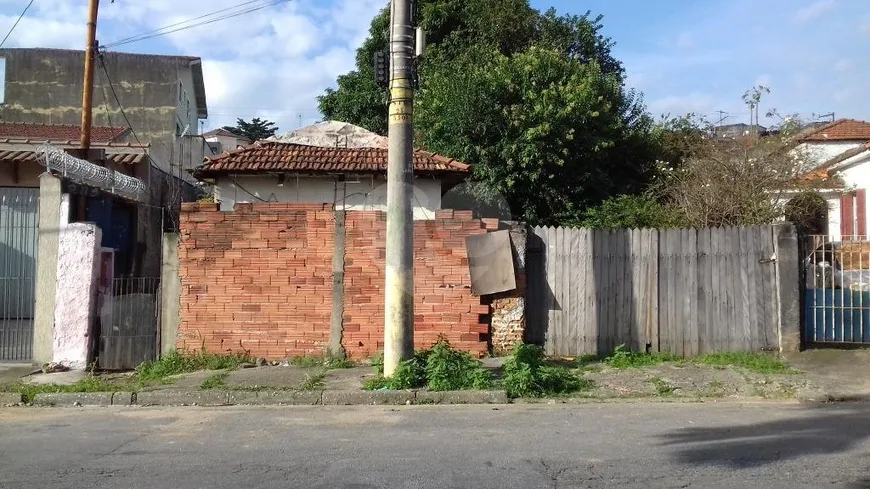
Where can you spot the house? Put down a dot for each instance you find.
(162, 97)
(839, 153)
(220, 140)
(351, 176)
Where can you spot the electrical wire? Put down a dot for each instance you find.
(178, 27)
(115, 95)
(16, 23)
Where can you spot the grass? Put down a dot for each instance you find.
(327, 361)
(754, 362)
(88, 384)
(662, 387)
(175, 363)
(313, 382)
(440, 368)
(622, 357)
(215, 381)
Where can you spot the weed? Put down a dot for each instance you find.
(662, 387)
(450, 370)
(337, 362)
(623, 357)
(307, 362)
(754, 362)
(174, 363)
(527, 374)
(313, 382)
(378, 363)
(376, 383)
(215, 381)
(88, 384)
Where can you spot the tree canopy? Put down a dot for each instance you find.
(534, 101)
(255, 130)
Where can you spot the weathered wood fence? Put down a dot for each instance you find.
(682, 291)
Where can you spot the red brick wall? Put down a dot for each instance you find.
(442, 285)
(259, 279)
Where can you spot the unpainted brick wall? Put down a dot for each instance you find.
(444, 305)
(259, 279)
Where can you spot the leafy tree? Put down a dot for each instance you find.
(632, 211)
(535, 102)
(255, 130)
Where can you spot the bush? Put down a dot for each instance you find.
(527, 374)
(622, 357)
(440, 368)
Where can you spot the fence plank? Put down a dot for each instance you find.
(590, 294)
(760, 265)
(574, 305)
(703, 290)
(690, 293)
(550, 336)
(746, 268)
(768, 292)
(563, 244)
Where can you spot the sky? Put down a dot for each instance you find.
(685, 56)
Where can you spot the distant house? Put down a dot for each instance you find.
(839, 153)
(220, 140)
(353, 178)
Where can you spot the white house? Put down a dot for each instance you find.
(220, 140)
(840, 153)
(351, 176)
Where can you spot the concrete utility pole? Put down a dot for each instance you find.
(88, 92)
(399, 287)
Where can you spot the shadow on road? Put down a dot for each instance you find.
(814, 431)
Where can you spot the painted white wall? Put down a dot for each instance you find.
(820, 152)
(834, 217)
(363, 193)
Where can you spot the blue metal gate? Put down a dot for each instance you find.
(836, 283)
(19, 218)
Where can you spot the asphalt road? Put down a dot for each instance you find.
(523, 447)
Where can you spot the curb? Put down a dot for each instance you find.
(832, 397)
(10, 398)
(172, 397)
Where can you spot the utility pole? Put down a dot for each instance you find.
(399, 286)
(88, 93)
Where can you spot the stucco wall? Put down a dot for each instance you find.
(77, 272)
(824, 151)
(364, 193)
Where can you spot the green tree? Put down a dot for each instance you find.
(255, 130)
(535, 102)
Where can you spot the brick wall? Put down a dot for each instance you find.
(259, 279)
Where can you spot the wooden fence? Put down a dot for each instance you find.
(682, 291)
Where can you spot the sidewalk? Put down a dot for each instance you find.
(666, 381)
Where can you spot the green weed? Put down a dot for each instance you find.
(623, 357)
(215, 381)
(313, 382)
(527, 374)
(88, 384)
(376, 383)
(175, 362)
(439, 368)
(754, 362)
(662, 388)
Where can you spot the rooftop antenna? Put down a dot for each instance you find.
(825, 116)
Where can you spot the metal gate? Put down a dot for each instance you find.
(19, 218)
(129, 322)
(835, 277)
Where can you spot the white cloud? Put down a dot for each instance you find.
(814, 11)
(844, 65)
(764, 80)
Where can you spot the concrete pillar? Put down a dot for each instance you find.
(788, 264)
(78, 270)
(51, 219)
(336, 331)
(170, 294)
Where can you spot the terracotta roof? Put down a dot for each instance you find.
(23, 156)
(58, 132)
(840, 130)
(270, 157)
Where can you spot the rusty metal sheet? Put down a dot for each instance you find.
(491, 263)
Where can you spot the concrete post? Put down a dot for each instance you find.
(46, 267)
(170, 294)
(336, 331)
(788, 276)
(78, 270)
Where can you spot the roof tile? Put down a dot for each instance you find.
(284, 157)
(840, 130)
(58, 132)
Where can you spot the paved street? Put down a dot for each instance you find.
(518, 446)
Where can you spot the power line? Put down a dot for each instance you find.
(117, 100)
(180, 27)
(16, 23)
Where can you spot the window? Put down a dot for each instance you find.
(2, 80)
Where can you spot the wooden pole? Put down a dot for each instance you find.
(88, 92)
